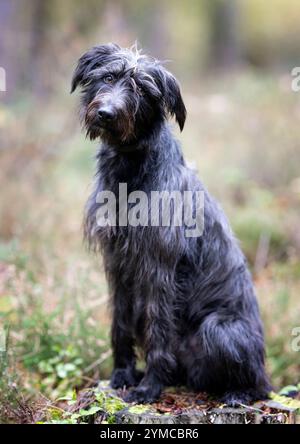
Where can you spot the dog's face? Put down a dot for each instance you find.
(125, 94)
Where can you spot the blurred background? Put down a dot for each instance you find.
(233, 59)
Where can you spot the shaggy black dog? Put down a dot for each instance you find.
(187, 302)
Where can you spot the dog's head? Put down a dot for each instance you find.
(125, 94)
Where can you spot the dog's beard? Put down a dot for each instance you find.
(122, 130)
(119, 133)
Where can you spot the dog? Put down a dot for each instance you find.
(187, 302)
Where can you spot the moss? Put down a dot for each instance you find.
(109, 403)
(110, 420)
(113, 405)
(140, 409)
(285, 401)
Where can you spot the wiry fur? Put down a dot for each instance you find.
(188, 303)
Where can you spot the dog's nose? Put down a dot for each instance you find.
(106, 114)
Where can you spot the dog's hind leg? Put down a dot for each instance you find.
(226, 358)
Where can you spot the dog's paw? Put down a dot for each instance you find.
(125, 377)
(143, 395)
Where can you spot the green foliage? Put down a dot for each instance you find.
(56, 355)
(61, 371)
(109, 403)
(104, 406)
(13, 406)
(60, 358)
(288, 389)
(285, 401)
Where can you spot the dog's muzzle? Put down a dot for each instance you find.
(107, 114)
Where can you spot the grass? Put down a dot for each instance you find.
(53, 295)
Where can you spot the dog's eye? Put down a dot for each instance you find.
(109, 78)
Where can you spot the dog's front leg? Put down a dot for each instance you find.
(124, 373)
(160, 359)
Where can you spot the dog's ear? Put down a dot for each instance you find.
(94, 58)
(172, 98)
